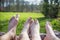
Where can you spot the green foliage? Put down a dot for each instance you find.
(5, 17)
(50, 9)
(56, 24)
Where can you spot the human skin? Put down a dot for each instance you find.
(50, 33)
(24, 33)
(34, 27)
(12, 31)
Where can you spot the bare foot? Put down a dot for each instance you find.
(35, 30)
(13, 22)
(50, 34)
(24, 33)
(12, 33)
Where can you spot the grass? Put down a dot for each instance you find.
(5, 17)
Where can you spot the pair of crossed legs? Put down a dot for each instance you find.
(31, 27)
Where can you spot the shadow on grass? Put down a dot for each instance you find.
(42, 20)
(3, 26)
(20, 26)
(55, 23)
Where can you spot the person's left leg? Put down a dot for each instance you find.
(13, 22)
(12, 31)
(50, 34)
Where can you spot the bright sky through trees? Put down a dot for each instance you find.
(30, 1)
(34, 1)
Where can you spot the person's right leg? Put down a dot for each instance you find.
(35, 27)
(24, 33)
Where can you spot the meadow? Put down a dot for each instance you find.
(5, 17)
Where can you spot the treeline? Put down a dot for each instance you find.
(18, 5)
(50, 8)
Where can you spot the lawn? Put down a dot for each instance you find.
(5, 17)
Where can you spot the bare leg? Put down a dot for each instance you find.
(50, 34)
(35, 30)
(11, 34)
(24, 33)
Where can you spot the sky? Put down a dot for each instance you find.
(34, 1)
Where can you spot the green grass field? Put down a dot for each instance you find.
(5, 17)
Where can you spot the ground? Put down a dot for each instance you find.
(5, 17)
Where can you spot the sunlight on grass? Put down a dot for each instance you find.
(5, 17)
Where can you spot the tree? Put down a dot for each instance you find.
(17, 6)
(32, 7)
(26, 6)
(45, 8)
(1, 5)
(22, 5)
(50, 8)
(53, 8)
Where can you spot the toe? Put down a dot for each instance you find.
(17, 17)
(36, 21)
(29, 19)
